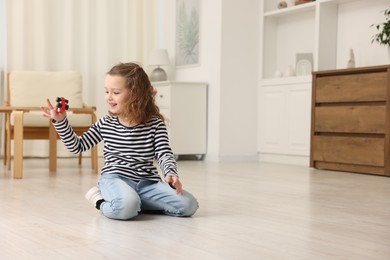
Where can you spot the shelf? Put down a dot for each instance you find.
(296, 9)
(291, 10)
(286, 81)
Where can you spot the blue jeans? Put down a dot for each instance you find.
(125, 198)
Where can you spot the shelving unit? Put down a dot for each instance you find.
(316, 25)
(285, 102)
(309, 28)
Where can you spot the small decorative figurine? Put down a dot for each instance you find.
(351, 61)
(62, 104)
(278, 74)
(282, 4)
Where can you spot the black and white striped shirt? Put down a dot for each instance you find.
(128, 151)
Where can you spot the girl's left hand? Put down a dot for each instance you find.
(175, 182)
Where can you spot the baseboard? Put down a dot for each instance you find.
(231, 158)
(301, 160)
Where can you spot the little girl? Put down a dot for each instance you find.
(134, 134)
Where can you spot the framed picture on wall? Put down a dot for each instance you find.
(187, 33)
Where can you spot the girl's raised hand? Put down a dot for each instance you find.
(51, 112)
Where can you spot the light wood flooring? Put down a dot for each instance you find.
(247, 211)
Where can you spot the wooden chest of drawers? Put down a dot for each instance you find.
(350, 128)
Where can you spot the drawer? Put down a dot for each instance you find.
(163, 96)
(349, 150)
(350, 119)
(351, 88)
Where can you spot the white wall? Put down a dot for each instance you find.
(239, 67)
(228, 63)
(355, 31)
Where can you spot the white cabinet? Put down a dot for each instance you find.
(317, 28)
(284, 121)
(184, 105)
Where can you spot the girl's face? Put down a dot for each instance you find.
(116, 93)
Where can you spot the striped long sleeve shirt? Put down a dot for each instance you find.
(128, 151)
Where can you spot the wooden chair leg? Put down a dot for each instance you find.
(5, 140)
(8, 163)
(94, 159)
(52, 148)
(18, 145)
(5, 159)
(80, 158)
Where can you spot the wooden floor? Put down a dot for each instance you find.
(247, 211)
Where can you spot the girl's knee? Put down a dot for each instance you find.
(121, 209)
(190, 205)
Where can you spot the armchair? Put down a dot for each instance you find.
(23, 120)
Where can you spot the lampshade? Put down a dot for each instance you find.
(159, 57)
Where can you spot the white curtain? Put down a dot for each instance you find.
(85, 35)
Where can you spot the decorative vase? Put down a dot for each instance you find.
(278, 74)
(351, 61)
(289, 72)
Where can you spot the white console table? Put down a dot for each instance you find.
(184, 105)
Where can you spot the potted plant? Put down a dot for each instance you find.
(383, 31)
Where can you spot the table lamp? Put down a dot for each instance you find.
(158, 57)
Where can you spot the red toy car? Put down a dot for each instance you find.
(62, 104)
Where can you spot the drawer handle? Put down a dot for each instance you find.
(161, 95)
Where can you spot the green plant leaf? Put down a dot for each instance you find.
(382, 37)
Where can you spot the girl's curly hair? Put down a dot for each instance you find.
(141, 106)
